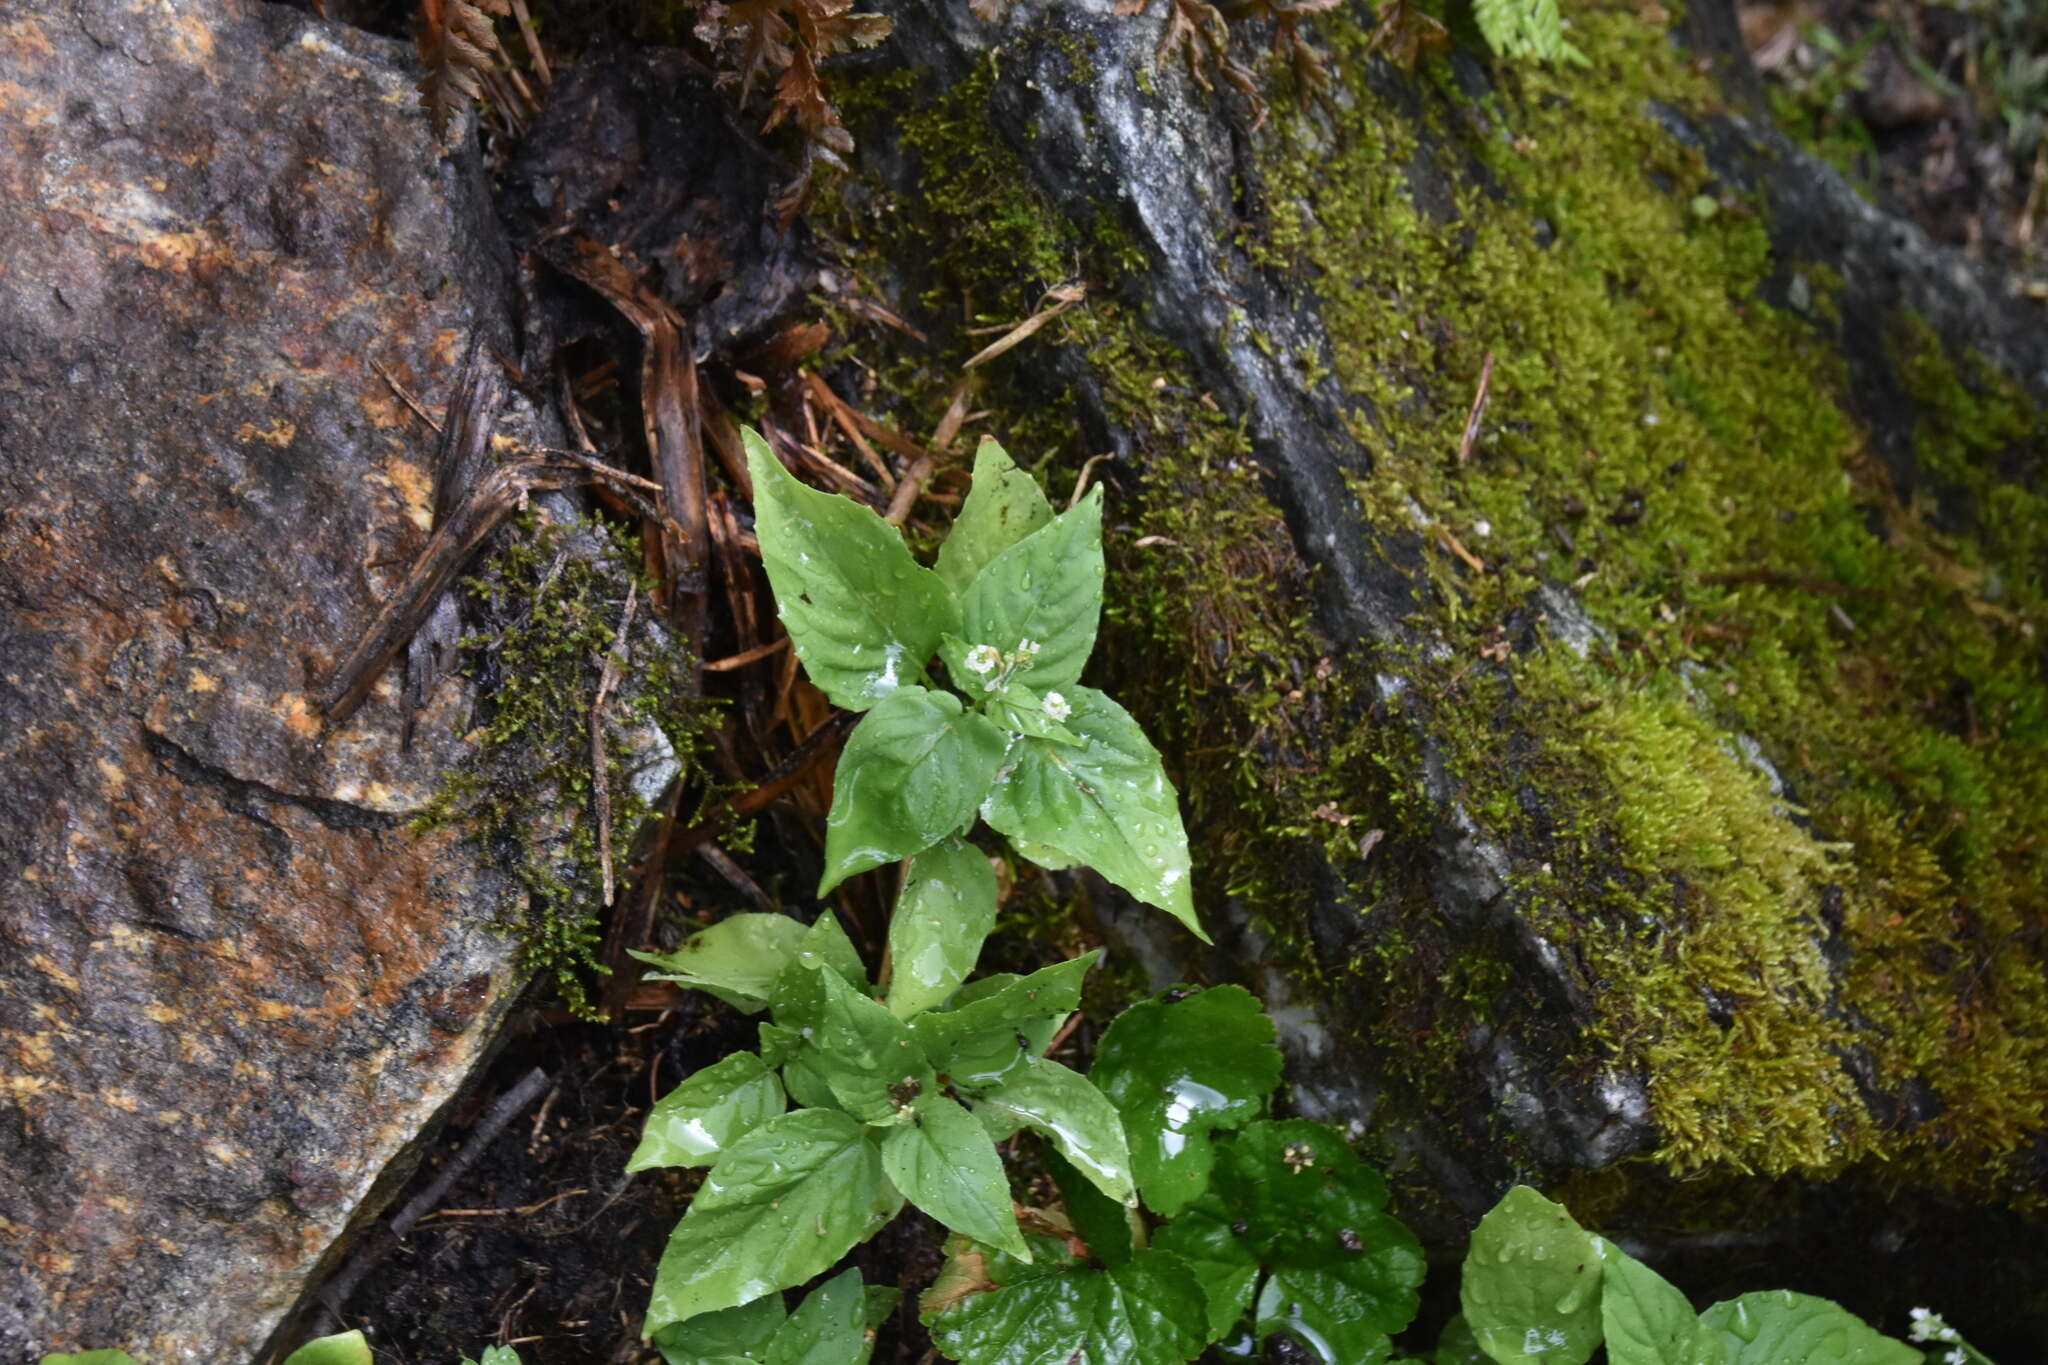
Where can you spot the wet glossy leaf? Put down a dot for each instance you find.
(1066, 1107)
(864, 616)
(1646, 1320)
(1456, 1345)
(343, 1348)
(1101, 1222)
(945, 1164)
(799, 992)
(495, 1355)
(945, 911)
(1147, 1311)
(830, 1327)
(865, 1054)
(914, 771)
(739, 1333)
(1778, 1327)
(784, 1203)
(1221, 1260)
(693, 1123)
(1343, 1274)
(736, 959)
(1047, 588)
(1104, 802)
(1177, 1072)
(994, 1023)
(1021, 711)
(1531, 1285)
(1003, 506)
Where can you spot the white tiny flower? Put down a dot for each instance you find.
(983, 658)
(1956, 1357)
(1027, 649)
(1927, 1325)
(1056, 708)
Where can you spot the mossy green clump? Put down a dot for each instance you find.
(1786, 962)
(553, 599)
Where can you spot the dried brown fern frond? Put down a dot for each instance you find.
(457, 41)
(1311, 77)
(1198, 31)
(1407, 35)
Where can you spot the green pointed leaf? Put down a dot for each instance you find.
(1531, 1285)
(945, 1164)
(736, 959)
(946, 909)
(1104, 802)
(786, 1049)
(1107, 1226)
(343, 1348)
(1179, 1071)
(1045, 855)
(866, 1055)
(1003, 506)
(1047, 588)
(1066, 1107)
(1344, 1275)
(864, 616)
(1646, 1320)
(1021, 711)
(1147, 1311)
(90, 1358)
(830, 1327)
(912, 773)
(738, 1333)
(1778, 1327)
(1221, 1260)
(995, 1023)
(784, 1203)
(495, 1355)
(798, 994)
(693, 1123)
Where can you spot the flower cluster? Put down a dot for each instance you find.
(995, 667)
(1929, 1326)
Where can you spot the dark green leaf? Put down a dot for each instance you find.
(799, 992)
(1003, 506)
(866, 1055)
(1179, 1071)
(1147, 1311)
(1066, 1107)
(1221, 1260)
(991, 1027)
(946, 909)
(1101, 1222)
(1778, 1327)
(863, 615)
(736, 959)
(945, 1164)
(1456, 1345)
(708, 1112)
(740, 1333)
(1531, 1284)
(914, 771)
(1104, 802)
(1047, 589)
(1646, 1321)
(784, 1203)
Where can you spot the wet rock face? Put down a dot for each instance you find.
(232, 986)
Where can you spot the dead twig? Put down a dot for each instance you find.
(1478, 410)
(1057, 300)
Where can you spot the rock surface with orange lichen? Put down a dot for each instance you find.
(232, 986)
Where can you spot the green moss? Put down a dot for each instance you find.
(528, 788)
(1676, 450)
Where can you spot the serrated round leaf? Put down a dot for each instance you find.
(736, 959)
(713, 1108)
(1047, 588)
(1179, 1071)
(945, 911)
(1221, 1260)
(1646, 1320)
(913, 771)
(1104, 802)
(864, 616)
(1531, 1286)
(740, 1333)
(1778, 1327)
(1147, 1311)
(1456, 1345)
(1003, 506)
(865, 1054)
(1065, 1106)
(945, 1164)
(784, 1203)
